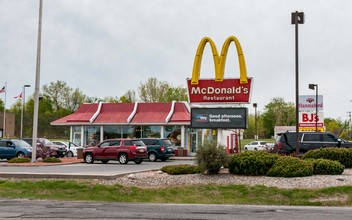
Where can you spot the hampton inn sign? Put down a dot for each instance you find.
(219, 90)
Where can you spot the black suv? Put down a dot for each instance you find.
(158, 148)
(285, 143)
(55, 150)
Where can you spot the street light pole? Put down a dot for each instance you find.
(297, 18)
(37, 86)
(255, 121)
(313, 86)
(22, 109)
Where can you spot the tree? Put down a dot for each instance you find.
(76, 99)
(250, 132)
(157, 91)
(278, 113)
(2, 105)
(334, 126)
(128, 97)
(176, 94)
(58, 93)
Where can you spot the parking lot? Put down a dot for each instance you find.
(82, 170)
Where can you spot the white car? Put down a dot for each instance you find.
(71, 148)
(256, 145)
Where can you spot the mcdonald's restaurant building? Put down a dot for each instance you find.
(186, 124)
(95, 122)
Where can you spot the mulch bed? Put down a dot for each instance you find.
(64, 160)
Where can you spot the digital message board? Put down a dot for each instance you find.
(219, 118)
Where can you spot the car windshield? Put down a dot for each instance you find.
(20, 143)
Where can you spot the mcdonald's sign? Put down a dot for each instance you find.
(219, 90)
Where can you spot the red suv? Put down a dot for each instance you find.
(123, 150)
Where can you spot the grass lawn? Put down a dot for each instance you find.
(203, 194)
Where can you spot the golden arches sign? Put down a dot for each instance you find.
(219, 61)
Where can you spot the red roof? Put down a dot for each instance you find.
(114, 113)
(83, 114)
(128, 113)
(181, 113)
(151, 113)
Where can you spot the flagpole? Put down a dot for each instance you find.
(4, 126)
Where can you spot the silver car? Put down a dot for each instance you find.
(256, 145)
(71, 148)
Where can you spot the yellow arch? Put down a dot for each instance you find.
(219, 61)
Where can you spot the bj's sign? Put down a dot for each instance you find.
(219, 90)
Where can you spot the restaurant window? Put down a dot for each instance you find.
(112, 132)
(127, 131)
(91, 135)
(151, 131)
(173, 133)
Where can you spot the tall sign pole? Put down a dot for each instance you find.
(297, 18)
(37, 86)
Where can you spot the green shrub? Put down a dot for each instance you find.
(51, 160)
(343, 155)
(180, 169)
(252, 163)
(210, 157)
(291, 167)
(19, 160)
(326, 167)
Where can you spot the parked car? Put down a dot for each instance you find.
(55, 150)
(256, 145)
(158, 148)
(286, 142)
(10, 148)
(71, 148)
(123, 150)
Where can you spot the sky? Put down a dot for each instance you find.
(107, 47)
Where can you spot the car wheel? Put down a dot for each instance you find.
(164, 158)
(152, 157)
(69, 154)
(20, 155)
(104, 161)
(123, 159)
(138, 161)
(88, 158)
(245, 148)
(255, 149)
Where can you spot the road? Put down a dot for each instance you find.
(40, 209)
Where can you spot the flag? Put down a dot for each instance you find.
(2, 90)
(19, 96)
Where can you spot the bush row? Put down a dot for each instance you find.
(263, 163)
(181, 169)
(27, 160)
(343, 155)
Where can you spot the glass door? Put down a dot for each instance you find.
(193, 143)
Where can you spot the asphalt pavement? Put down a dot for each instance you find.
(81, 170)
